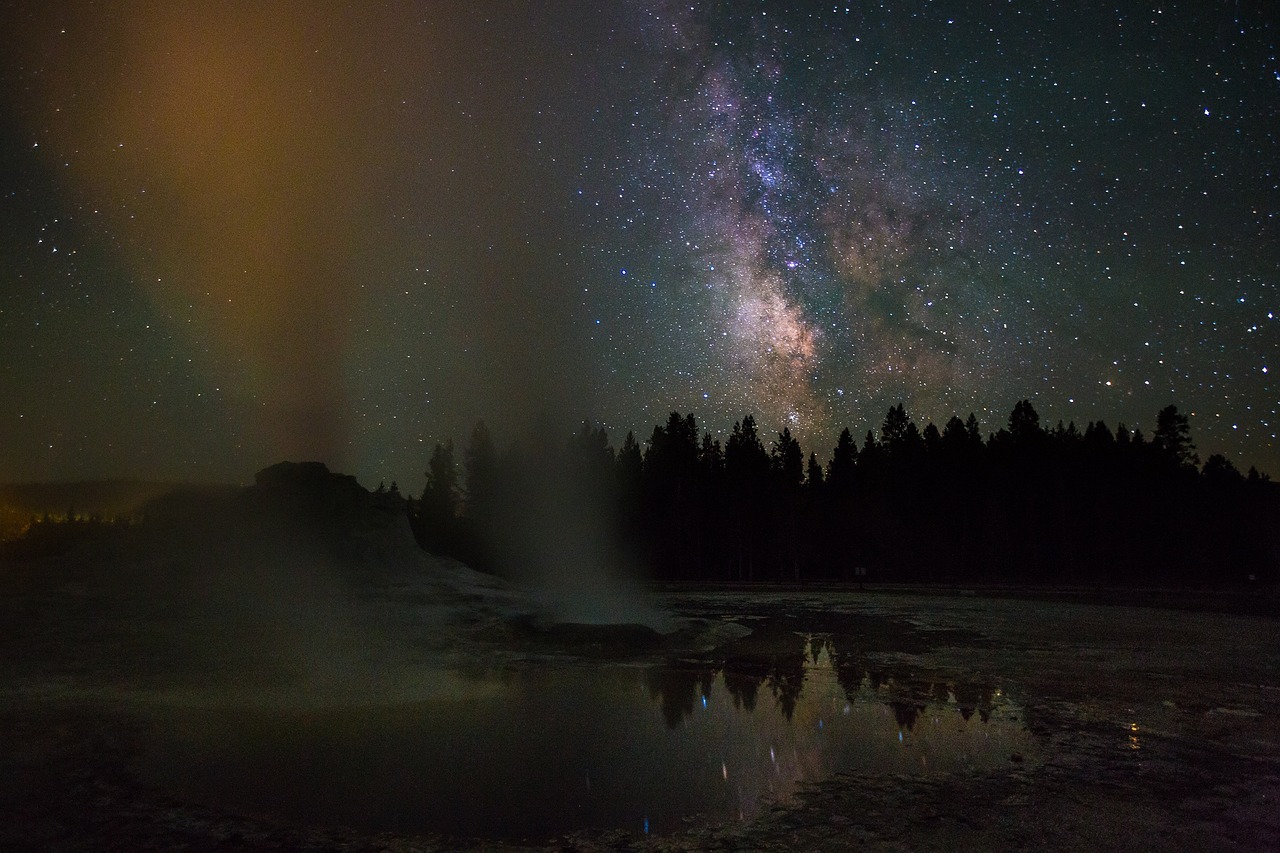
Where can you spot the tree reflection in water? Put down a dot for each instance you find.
(551, 748)
(786, 661)
(784, 708)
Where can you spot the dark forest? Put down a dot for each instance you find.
(1024, 505)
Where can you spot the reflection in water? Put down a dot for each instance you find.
(829, 712)
(541, 752)
(793, 661)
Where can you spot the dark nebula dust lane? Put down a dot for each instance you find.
(235, 234)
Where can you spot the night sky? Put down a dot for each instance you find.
(235, 233)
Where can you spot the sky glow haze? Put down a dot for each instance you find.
(236, 233)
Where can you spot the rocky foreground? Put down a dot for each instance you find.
(1149, 729)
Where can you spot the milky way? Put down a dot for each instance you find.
(233, 235)
(956, 210)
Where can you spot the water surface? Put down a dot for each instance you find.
(543, 750)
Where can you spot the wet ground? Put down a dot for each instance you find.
(769, 721)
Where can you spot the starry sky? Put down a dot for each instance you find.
(238, 232)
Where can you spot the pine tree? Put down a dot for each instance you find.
(439, 505)
(480, 466)
(840, 470)
(1173, 437)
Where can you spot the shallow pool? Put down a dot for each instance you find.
(542, 750)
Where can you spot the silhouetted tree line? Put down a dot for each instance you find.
(1026, 504)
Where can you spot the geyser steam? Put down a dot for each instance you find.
(235, 150)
